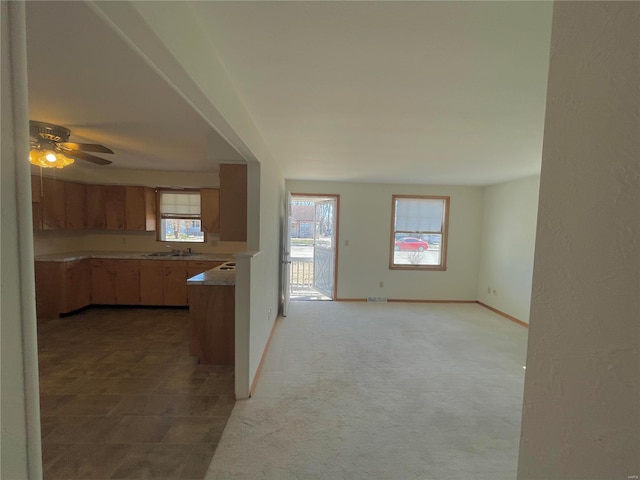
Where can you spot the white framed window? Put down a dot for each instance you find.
(419, 232)
(179, 216)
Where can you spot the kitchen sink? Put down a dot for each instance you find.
(169, 254)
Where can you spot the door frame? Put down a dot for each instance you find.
(285, 257)
(336, 233)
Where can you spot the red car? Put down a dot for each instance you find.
(411, 243)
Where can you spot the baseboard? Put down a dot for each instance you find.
(505, 315)
(400, 300)
(264, 354)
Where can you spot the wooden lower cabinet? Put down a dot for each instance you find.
(212, 313)
(115, 282)
(62, 287)
(103, 282)
(127, 275)
(77, 283)
(151, 282)
(175, 282)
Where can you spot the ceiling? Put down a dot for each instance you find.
(83, 76)
(406, 92)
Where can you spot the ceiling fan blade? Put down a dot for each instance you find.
(88, 157)
(85, 147)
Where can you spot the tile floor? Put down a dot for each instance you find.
(122, 399)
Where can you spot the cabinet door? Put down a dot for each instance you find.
(77, 285)
(96, 211)
(175, 282)
(36, 188)
(151, 281)
(75, 201)
(233, 202)
(140, 208)
(115, 200)
(127, 282)
(195, 267)
(49, 281)
(210, 210)
(103, 282)
(53, 214)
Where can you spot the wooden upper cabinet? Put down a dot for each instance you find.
(233, 202)
(36, 205)
(96, 212)
(210, 210)
(53, 204)
(140, 208)
(115, 211)
(36, 188)
(75, 202)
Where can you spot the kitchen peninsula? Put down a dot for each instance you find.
(212, 311)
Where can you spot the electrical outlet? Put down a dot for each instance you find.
(489, 290)
(381, 284)
(495, 294)
(346, 243)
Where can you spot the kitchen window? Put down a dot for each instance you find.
(179, 216)
(419, 232)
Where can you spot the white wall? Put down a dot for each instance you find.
(265, 268)
(20, 407)
(581, 410)
(365, 220)
(57, 241)
(508, 241)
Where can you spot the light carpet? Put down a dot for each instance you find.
(381, 391)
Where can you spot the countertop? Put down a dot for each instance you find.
(72, 256)
(215, 276)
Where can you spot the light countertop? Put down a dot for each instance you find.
(72, 256)
(214, 277)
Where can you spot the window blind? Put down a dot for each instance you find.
(419, 215)
(179, 205)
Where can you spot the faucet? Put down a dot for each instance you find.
(177, 251)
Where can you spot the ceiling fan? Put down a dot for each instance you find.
(50, 147)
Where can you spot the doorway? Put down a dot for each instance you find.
(313, 240)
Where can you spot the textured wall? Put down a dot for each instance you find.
(508, 240)
(20, 401)
(580, 415)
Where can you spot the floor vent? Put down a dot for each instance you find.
(377, 299)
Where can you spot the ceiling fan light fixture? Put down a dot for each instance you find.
(49, 159)
(50, 147)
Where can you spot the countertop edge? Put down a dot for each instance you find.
(74, 256)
